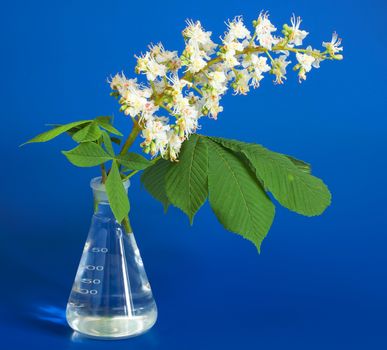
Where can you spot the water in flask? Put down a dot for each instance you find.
(111, 297)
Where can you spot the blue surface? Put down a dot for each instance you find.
(320, 283)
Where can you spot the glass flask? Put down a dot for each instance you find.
(111, 297)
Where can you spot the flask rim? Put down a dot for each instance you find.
(97, 185)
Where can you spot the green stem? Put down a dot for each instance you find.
(268, 54)
(132, 136)
(104, 174)
(152, 84)
(166, 108)
(127, 177)
(197, 89)
(127, 225)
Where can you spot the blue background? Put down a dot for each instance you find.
(319, 283)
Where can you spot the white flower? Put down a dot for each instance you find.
(263, 30)
(256, 65)
(241, 84)
(149, 108)
(237, 29)
(183, 108)
(297, 35)
(264, 26)
(188, 122)
(155, 128)
(147, 64)
(177, 84)
(261, 65)
(134, 101)
(229, 59)
(161, 55)
(232, 45)
(155, 70)
(239, 63)
(267, 41)
(305, 62)
(218, 81)
(256, 77)
(279, 68)
(198, 37)
(210, 102)
(155, 134)
(174, 145)
(317, 60)
(119, 82)
(196, 62)
(333, 46)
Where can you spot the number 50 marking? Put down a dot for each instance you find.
(99, 250)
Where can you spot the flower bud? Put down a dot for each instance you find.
(146, 149)
(123, 108)
(296, 67)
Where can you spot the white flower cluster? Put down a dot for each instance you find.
(209, 70)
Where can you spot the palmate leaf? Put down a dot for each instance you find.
(133, 161)
(236, 197)
(116, 193)
(87, 154)
(105, 122)
(107, 143)
(50, 134)
(186, 182)
(90, 132)
(293, 188)
(300, 164)
(235, 176)
(153, 179)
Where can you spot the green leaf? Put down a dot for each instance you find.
(300, 164)
(104, 119)
(107, 143)
(293, 188)
(50, 134)
(87, 154)
(186, 182)
(105, 122)
(71, 131)
(133, 161)
(90, 132)
(115, 190)
(153, 179)
(236, 197)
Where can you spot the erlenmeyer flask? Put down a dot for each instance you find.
(111, 297)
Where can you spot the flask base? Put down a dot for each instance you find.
(109, 328)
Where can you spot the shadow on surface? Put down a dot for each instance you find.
(49, 319)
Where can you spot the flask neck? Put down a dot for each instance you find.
(101, 201)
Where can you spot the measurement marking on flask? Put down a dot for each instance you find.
(93, 267)
(99, 250)
(93, 281)
(90, 281)
(86, 291)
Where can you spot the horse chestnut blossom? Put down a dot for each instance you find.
(190, 86)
